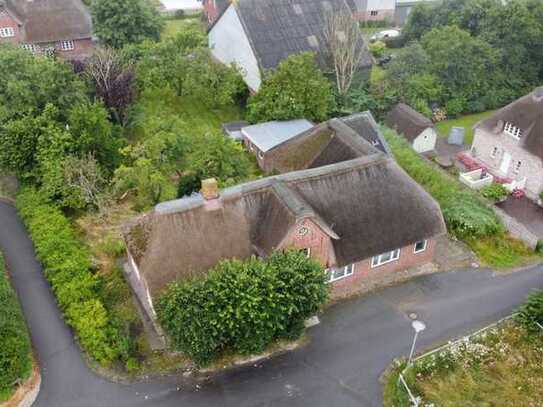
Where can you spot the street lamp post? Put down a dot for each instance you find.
(418, 326)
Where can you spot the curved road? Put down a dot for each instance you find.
(340, 366)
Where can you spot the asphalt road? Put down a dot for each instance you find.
(340, 366)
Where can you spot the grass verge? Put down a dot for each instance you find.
(501, 367)
(467, 122)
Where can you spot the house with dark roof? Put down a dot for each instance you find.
(510, 143)
(257, 35)
(415, 127)
(350, 207)
(214, 8)
(62, 26)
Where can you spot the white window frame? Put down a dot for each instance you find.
(66, 45)
(376, 261)
(518, 166)
(494, 152)
(512, 130)
(30, 47)
(374, 13)
(7, 32)
(425, 245)
(260, 154)
(306, 251)
(347, 272)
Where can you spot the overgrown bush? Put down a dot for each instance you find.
(531, 312)
(242, 306)
(15, 350)
(496, 192)
(377, 49)
(464, 213)
(67, 264)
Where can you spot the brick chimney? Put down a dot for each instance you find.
(210, 192)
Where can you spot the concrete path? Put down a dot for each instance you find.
(340, 366)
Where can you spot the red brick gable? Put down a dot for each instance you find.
(305, 234)
(7, 21)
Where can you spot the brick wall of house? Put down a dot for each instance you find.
(210, 11)
(5, 22)
(82, 48)
(314, 239)
(531, 167)
(364, 274)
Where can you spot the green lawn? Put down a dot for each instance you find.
(467, 121)
(174, 26)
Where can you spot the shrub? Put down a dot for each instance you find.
(496, 192)
(67, 266)
(455, 106)
(15, 350)
(377, 49)
(242, 306)
(531, 312)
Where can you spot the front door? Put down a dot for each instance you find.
(506, 162)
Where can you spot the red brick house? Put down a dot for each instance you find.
(62, 26)
(214, 8)
(346, 204)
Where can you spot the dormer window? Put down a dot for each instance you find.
(6, 32)
(512, 130)
(67, 45)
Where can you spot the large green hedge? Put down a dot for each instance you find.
(464, 212)
(242, 306)
(67, 264)
(15, 350)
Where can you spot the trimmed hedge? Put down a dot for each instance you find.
(15, 349)
(242, 306)
(67, 264)
(465, 214)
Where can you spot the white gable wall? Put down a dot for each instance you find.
(229, 44)
(426, 141)
(381, 4)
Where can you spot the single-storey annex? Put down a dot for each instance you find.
(415, 127)
(350, 207)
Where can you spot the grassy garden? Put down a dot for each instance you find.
(465, 121)
(501, 366)
(15, 349)
(467, 216)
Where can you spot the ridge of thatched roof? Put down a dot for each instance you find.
(407, 121)
(525, 113)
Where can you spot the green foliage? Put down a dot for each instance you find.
(531, 312)
(242, 306)
(465, 215)
(377, 49)
(67, 266)
(15, 349)
(494, 191)
(121, 22)
(296, 89)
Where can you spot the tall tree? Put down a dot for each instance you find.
(121, 22)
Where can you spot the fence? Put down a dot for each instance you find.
(401, 379)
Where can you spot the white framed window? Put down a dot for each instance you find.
(260, 155)
(385, 258)
(334, 274)
(306, 251)
(297, 9)
(512, 130)
(6, 32)
(494, 152)
(518, 164)
(30, 47)
(373, 13)
(313, 41)
(420, 246)
(67, 45)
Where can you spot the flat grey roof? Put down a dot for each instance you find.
(270, 134)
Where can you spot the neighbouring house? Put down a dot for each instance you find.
(374, 10)
(510, 143)
(261, 138)
(42, 26)
(265, 32)
(352, 208)
(214, 8)
(415, 127)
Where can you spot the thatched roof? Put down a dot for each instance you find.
(279, 28)
(367, 205)
(407, 121)
(51, 20)
(527, 114)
